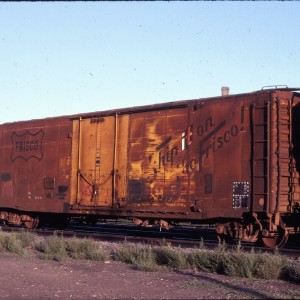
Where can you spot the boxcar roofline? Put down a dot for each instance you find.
(153, 107)
(173, 104)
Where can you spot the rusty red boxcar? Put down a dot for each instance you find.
(232, 161)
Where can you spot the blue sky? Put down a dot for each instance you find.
(60, 58)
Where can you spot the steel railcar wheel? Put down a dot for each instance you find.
(276, 239)
(31, 223)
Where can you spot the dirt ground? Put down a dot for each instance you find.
(33, 278)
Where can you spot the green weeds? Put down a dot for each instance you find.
(58, 248)
(52, 248)
(221, 260)
(16, 242)
(85, 249)
(234, 262)
(141, 257)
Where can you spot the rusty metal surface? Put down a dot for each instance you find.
(197, 159)
(193, 160)
(201, 156)
(92, 162)
(35, 165)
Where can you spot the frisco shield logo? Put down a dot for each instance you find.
(27, 145)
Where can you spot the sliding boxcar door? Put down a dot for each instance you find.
(93, 161)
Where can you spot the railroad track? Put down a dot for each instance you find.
(185, 237)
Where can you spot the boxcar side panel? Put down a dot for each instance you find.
(155, 160)
(222, 158)
(7, 195)
(195, 159)
(35, 165)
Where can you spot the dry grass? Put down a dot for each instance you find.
(16, 242)
(85, 249)
(58, 248)
(236, 262)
